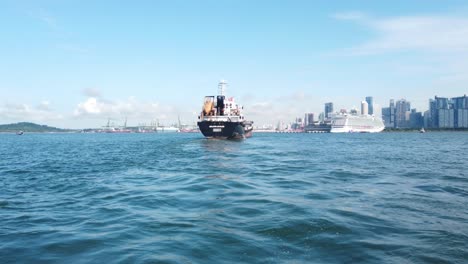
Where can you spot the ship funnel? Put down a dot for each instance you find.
(222, 87)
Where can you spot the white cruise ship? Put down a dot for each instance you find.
(347, 123)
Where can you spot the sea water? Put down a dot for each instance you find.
(273, 198)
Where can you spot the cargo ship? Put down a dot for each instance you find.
(348, 123)
(222, 118)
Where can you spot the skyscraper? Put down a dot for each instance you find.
(309, 119)
(370, 103)
(392, 113)
(445, 118)
(386, 116)
(364, 108)
(427, 119)
(432, 120)
(321, 117)
(328, 109)
(460, 107)
(377, 111)
(449, 113)
(416, 119)
(440, 107)
(402, 113)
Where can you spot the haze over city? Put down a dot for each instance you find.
(77, 63)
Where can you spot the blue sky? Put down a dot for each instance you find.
(78, 63)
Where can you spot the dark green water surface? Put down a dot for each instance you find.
(274, 198)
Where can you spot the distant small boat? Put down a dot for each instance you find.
(19, 133)
(422, 130)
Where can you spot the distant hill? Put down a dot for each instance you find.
(30, 127)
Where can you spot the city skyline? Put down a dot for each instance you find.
(75, 65)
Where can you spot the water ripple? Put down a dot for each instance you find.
(275, 198)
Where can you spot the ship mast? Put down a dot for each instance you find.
(222, 87)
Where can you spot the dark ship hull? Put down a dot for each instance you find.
(226, 129)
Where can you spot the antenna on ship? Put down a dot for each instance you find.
(222, 87)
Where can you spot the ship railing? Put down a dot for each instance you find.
(222, 118)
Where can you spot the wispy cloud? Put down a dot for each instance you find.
(350, 15)
(44, 106)
(53, 24)
(446, 34)
(45, 17)
(16, 112)
(432, 49)
(73, 48)
(91, 92)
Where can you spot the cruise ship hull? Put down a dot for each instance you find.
(225, 129)
(356, 130)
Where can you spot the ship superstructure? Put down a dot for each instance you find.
(222, 117)
(348, 123)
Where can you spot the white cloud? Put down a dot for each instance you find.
(131, 107)
(90, 106)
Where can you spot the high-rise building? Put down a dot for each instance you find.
(431, 118)
(445, 118)
(377, 111)
(328, 110)
(299, 121)
(321, 117)
(442, 102)
(364, 108)
(370, 105)
(392, 113)
(402, 113)
(308, 119)
(449, 113)
(462, 118)
(416, 119)
(440, 117)
(386, 116)
(297, 124)
(427, 119)
(460, 106)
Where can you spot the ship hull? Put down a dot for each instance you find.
(356, 130)
(225, 130)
